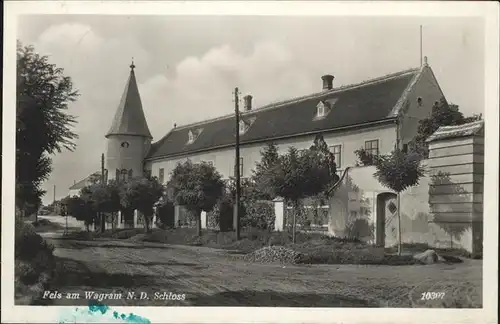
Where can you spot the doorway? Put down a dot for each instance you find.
(386, 213)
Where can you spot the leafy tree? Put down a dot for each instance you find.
(399, 171)
(260, 178)
(364, 158)
(326, 158)
(443, 114)
(95, 178)
(142, 194)
(43, 126)
(80, 209)
(165, 210)
(106, 199)
(299, 175)
(198, 187)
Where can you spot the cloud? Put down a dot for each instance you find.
(99, 68)
(202, 86)
(198, 87)
(273, 61)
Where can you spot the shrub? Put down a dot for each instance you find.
(258, 214)
(28, 243)
(221, 216)
(166, 214)
(33, 255)
(225, 213)
(364, 158)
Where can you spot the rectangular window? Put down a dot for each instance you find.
(405, 148)
(161, 175)
(321, 110)
(337, 153)
(371, 147)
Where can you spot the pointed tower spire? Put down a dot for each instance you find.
(129, 118)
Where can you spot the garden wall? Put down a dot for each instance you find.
(443, 210)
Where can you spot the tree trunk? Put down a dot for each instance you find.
(198, 223)
(146, 222)
(399, 224)
(103, 222)
(294, 221)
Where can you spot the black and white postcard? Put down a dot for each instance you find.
(308, 162)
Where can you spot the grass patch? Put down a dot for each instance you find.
(120, 234)
(413, 248)
(314, 248)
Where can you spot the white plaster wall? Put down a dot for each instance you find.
(223, 159)
(74, 192)
(428, 89)
(359, 189)
(118, 157)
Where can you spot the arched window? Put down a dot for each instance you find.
(242, 127)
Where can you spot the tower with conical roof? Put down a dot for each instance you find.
(129, 138)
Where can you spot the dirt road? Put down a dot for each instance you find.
(213, 277)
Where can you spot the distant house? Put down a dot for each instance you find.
(75, 189)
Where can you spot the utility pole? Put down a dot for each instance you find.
(421, 46)
(54, 196)
(102, 215)
(102, 168)
(236, 215)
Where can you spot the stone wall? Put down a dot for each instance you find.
(456, 162)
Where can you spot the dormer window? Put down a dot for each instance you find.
(321, 109)
(193, 135)
(243, 127)
(245, 124)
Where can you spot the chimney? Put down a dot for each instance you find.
(248, 102)
(327, 82)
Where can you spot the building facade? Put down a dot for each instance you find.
(376, 115)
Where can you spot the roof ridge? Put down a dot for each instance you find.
(305, 97)
(470, 124)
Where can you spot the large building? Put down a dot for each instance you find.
(444, 209)
(372, 114)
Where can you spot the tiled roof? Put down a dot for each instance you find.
(83, 183)
(370, 101)
(446, 132)
(129, 118)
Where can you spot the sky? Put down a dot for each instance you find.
(188, 66)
